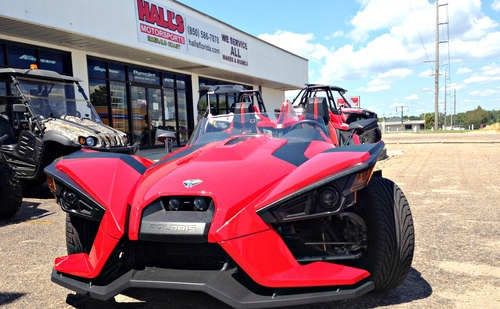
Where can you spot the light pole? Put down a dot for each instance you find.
(402, 108)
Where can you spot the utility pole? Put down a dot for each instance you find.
(445, 95)
(436, 80)
(454, 106)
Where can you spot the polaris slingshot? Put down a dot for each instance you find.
(254, 212)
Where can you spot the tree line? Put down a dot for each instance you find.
(476, 117)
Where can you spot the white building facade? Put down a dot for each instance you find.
(143, 62)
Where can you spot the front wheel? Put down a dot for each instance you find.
(390, 231)
(371, 136)
(80, 234)
(11, 194)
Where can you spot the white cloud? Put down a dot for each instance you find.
(488, 73)
(426, 73)
(397, 105)
(464, 70)
(373, 88)
(483, 93)
(412, 97)
(384, 80)
(336, 34)
(496, 5)
(297, 43)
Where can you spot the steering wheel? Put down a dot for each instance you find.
(309, 122)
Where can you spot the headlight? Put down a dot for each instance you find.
(90, 141)
(187, 203)
(87, 141)
(323, 198)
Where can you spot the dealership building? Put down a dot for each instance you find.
(143, 62)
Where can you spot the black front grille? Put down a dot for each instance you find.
(204, 256)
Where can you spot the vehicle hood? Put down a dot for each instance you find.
(73, 127)
(357, 110)
(240, 176)
(232, 174)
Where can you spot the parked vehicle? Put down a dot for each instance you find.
(209, 95)
(10, 189)
(341, 115)
(255, 212)
(45, 116)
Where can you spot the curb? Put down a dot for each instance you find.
(443, 142)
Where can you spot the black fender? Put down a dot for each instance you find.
(58, 137)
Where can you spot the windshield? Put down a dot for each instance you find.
(54, 99)
(305, 127)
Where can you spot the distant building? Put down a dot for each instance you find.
(394, 125)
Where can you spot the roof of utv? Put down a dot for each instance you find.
(36, 73)
(320, 86)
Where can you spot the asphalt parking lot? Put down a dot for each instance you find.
(452, 182)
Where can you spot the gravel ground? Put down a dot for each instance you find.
(451, 182)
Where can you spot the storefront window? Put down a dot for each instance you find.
(2, 54)
(96, 68)
(99, 98)
(141, 75)
(181, 82)
(142, 102)
(168, 80)
(139, 114)
(116, 71)
(18, 55)
(53, 61)
(119, 111)
(183, 116)
(22, 57)
(220, 104)
(169, 106)
(155, 114)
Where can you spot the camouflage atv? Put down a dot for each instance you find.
(45, 116)
(10, 189)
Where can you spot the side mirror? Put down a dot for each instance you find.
(19, 108)
(360, 126)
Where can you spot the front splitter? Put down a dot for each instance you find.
(220, 284)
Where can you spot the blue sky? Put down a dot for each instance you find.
(378, 49)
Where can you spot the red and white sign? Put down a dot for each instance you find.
(341, 102)
(174, 30)
(355, 100)
(160, 25)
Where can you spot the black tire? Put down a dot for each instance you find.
(371, 136)
(11, 193)
(391, 238)
(80, 234)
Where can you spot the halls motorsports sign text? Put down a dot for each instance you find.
(174, 30)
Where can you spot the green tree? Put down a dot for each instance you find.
(476, 117)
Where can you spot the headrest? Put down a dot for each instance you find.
(243, 108)
(318, 107)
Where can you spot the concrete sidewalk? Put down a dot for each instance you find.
(486, 137)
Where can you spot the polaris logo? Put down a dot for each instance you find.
(191, 183)
(173, 228)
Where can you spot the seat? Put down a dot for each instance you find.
(244, 121)
(317, 107)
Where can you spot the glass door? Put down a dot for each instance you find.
(139, 115)
(155, 115)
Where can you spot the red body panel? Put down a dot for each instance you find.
(266, 258)
(227, 171)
